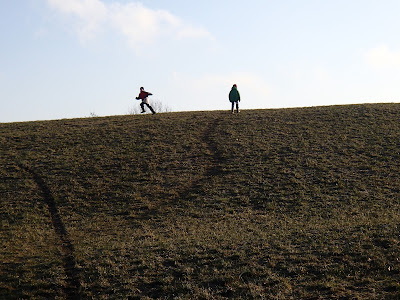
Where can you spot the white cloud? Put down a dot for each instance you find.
(89, 13)
(382, 58)
(211, 91)
(245, 81)
(41, 32)
(192, 32)
(139, 24)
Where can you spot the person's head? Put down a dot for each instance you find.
(235, 86)
(142, 88)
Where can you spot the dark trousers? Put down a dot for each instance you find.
(142, 106)
(237, 106)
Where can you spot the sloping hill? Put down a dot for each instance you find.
(291, 203)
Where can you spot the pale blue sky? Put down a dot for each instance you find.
(70, 58)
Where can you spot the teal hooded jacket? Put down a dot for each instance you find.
(234, 95)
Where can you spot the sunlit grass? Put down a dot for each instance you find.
(275, 204)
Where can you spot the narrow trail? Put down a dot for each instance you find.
(211, 167)
(214, 167)
(73, 285)
(214, 162)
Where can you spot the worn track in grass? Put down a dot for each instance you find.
(73, 286)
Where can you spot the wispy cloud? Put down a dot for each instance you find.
(90, 14)
(383, 57)
(211, 90)
(245, 80)
(193, 32)
(139, 24)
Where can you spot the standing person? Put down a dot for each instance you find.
(234, 97)
(143, 95)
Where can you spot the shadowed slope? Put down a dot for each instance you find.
(280, 204)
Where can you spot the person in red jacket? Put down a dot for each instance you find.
(143, 95)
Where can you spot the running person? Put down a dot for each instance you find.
(143, 95)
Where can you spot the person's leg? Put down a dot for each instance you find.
(233, 106)
(237, 106)
(151, 109)
(142, 106)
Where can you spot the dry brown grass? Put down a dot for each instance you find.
(274, 204)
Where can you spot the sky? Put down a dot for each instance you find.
(78, 58)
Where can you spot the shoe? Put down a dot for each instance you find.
(143, 111)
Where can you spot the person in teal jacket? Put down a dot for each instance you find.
(234, 97)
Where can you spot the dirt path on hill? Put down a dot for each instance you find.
(73, 285)
(212, 163)
(214, 167)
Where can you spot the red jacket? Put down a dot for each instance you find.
(143, 95)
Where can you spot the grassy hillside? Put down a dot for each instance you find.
(275, 204)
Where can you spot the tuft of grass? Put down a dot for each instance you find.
(277, 204)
